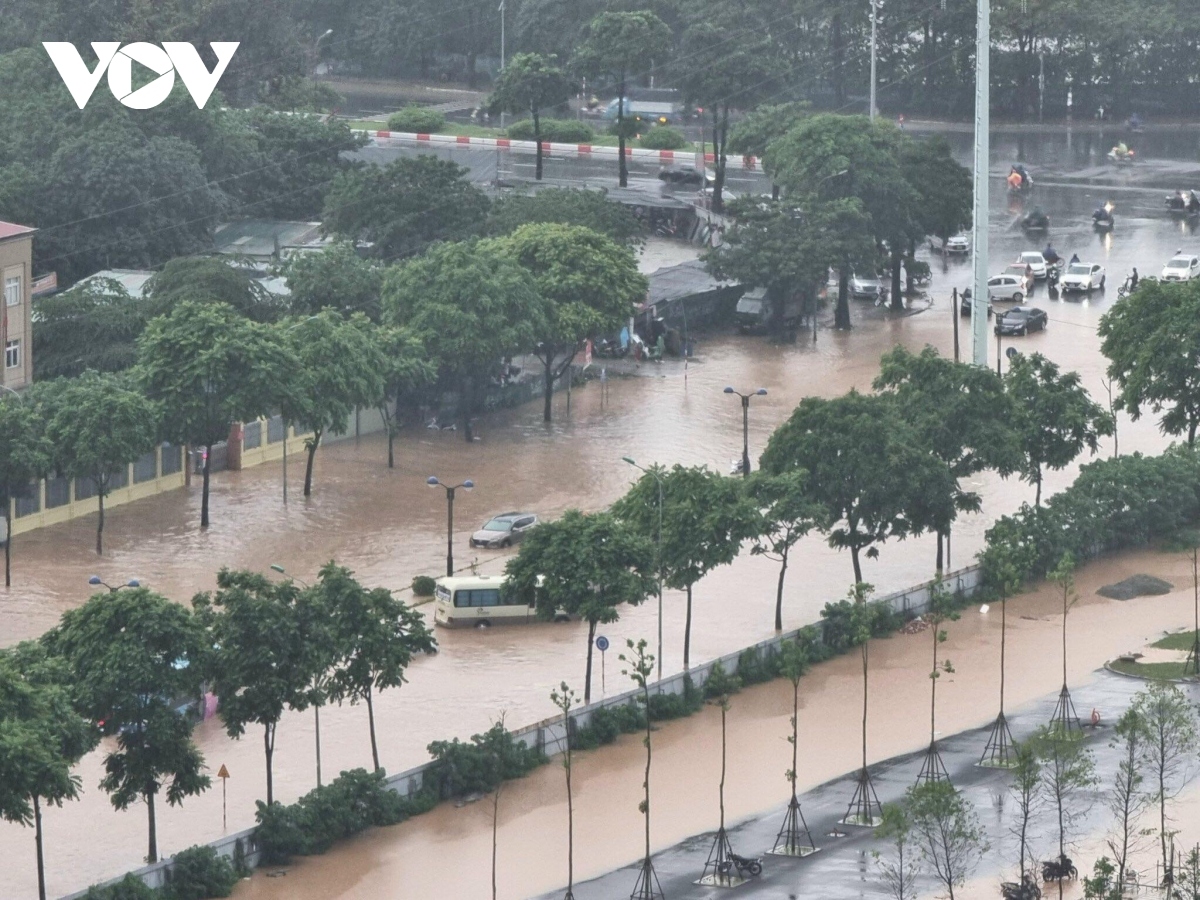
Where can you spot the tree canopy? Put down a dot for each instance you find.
(334, 278)
(567, 206)
(25, 455)
(93, 325)
(530, 83)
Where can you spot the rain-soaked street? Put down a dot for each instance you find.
(388, 526)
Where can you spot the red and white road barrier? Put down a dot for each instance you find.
(748, 163)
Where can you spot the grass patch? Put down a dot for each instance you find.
(1148, 670)
(1181, 640)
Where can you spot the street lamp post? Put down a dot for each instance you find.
(112, 589)
(761, 392)
(433, 481)
(657, 554)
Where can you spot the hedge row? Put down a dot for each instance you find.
(198, 873)
(1114, 504)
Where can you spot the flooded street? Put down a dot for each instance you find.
(388, 526)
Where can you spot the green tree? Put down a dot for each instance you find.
(1101, 885)
(867, 466)
(1152, 341)
(947, 830)
(962, 415)
(93, 325)
(406, 371)
(622, 46)
(584, 565)
(210, 279)
(794, 661)
(789, 512)
(531, 82)
(1168, 743)
(42, 738)
(270, 642)
(339, 367)
(24, 456)
(590, 284)
(900, 869)
(97, 424)
(564, 698)
(567, 206)
(754, 132)
(941, 609)
(133, 655)
(705, 519)
(1053, 415)
(378, 637)
(405, 206)
(641, 668)
(1068, 774)
(943, 186)
(335, 278)
(471, 305)
(208, 368)
(1125, 798)
(1026, 791)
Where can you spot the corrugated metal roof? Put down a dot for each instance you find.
(684, 280)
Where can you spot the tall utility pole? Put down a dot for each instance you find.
(979, 249)
(874, 22)
(502, 17)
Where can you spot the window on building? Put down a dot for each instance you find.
(12, 290)
(12, 355)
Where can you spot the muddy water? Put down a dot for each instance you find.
(395, 862)
(388, 526)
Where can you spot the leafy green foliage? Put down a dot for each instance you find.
(663, 137)
(25, 454)
(336, 277)
(567, 206)
(556, 131)
(405, 206)
(128, 888)
(849, 623)
(423, 586)
(93, 325)
(416, 120)
(947, 829)
(210, 279)
(199, 873)
(720, 683)
(530, 83)
(763, 124)
(479, 766)
(788, 513)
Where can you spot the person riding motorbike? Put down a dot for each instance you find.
(1037, 219)
(1193, 202)
(1133, 279)
(1102, 216)
(1050, 255)
(1074, 259)
(1014, 181)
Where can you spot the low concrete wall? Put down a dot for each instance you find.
(550, 735)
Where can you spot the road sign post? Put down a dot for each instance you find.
(602, 645)
(223, 774)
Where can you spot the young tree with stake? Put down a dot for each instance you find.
(641, 668)
(584, 565)
(794, 838)
(1068, 774)
(1063, 719)
(941, 609)
(564, 699)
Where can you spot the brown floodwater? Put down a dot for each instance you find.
(395, 863)
(388, 526)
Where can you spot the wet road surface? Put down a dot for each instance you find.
(388, 526)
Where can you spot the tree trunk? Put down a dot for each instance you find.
(858, 579)
(687, 629)
(37, 841)
(1037, 499)
(841, 317)
(467, 403)
(204, 490)
(548, 361)
(311, 446)
(897, 293)
(317, 714)
(537, 137)
(389, 422)
(152, 851)
(371, 724)
(100, 522)
(779, 592)
(269, 747)
(940, 567)
(622, 169)
(587, 676)
(8, 536)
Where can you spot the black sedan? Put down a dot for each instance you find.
(1021, 320)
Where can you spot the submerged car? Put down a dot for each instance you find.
(1021, 320)
(1181, 268)
(1082, 277)
(867, 287)
(959, 243)
(503, 530)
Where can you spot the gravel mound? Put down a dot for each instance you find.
(1136, 586)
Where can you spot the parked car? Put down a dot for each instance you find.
(1006, 287)
(959, 243)
(503, 530)
(1035, 261)
(1181, 268)
(1022, 272)
(1021, 320)
(1082, 277)
(964, 304)
(867, 287)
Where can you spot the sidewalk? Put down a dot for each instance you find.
(843, 868)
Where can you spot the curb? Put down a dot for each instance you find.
(746, 163)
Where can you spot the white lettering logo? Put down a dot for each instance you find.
(173, 57)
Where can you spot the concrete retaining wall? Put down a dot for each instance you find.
(550, 734)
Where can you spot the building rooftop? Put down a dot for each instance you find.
(9, 230)
(686, 279)
(267, 238)
(133, 280)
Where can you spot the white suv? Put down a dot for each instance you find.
(1082, 277)
(1181, 268)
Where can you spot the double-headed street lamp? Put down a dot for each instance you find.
(657, 553)
(95, 581)
(761, 392)
(433, 481)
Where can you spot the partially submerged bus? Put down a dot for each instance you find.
(478, 600)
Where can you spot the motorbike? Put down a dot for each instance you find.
(742, 864)
(1053, 272)
(1036, 222)
(1102, 220)
(1122, 159)
(1061, 869)
(608, 348)
(1027, 889)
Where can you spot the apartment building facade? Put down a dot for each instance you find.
(16, 314)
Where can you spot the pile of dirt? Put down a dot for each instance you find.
(1136, 586)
